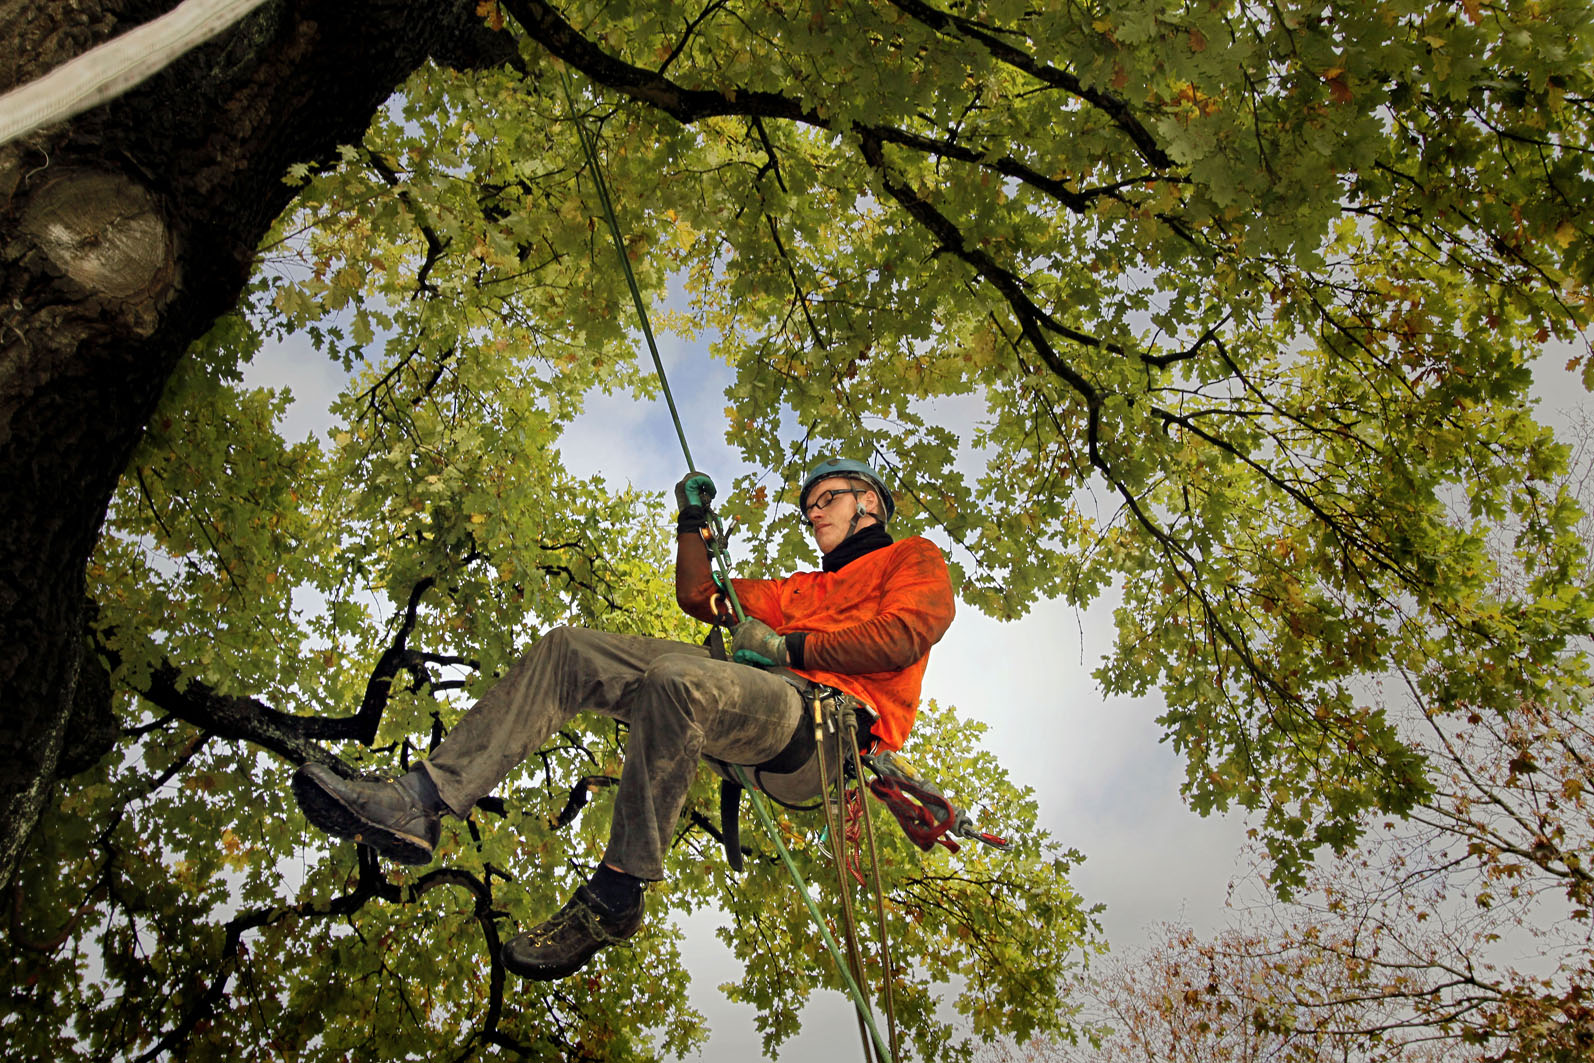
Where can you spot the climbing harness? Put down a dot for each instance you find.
(924, 813)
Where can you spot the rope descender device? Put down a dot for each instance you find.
(925, 814)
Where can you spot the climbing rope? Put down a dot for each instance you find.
(107, 70)
(850, 964)
(590, 148)
(888, 974)
(836, 828)
(761, 810)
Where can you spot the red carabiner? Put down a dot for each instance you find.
(925, 815)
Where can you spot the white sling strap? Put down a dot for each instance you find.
(110, 69)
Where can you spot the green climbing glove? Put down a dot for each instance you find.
(755, 642)
(695, 489)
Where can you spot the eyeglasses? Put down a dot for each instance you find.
(823, 501)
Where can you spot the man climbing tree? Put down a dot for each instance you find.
(861, 630)
(1244, 303)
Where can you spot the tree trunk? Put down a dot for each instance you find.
(123, 235)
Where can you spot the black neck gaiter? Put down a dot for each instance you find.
(855, 546)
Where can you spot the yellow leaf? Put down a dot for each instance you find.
(489, 10)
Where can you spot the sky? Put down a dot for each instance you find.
(1104, 782)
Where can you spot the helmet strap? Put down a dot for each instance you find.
(858, 513)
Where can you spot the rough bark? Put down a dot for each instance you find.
(123, 235)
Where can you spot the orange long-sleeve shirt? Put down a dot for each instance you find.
(869, 626)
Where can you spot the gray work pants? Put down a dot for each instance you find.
(678, 703)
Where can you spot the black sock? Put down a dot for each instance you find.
(616, 891)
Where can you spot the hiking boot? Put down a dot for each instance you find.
(387, 816)
(568, 939)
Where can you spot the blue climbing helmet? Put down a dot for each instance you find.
(851, 470)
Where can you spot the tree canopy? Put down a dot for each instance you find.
(1249, 298)
(1459, 932)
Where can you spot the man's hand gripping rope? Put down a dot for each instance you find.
(694, 497)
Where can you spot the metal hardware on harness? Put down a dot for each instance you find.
(924, 813)
(720, 542)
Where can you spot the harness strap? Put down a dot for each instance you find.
(799, 749)
(731, 822)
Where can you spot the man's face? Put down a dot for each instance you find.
(830, 522)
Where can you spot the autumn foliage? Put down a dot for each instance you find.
(1243, 302)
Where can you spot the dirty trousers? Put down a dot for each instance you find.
(678, 703)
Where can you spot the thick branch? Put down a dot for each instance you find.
(687, 105)
(560, 38)
(1116, 108)
(295, 738)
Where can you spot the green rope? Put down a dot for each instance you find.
(887, 971)
(836, 831)
(860, 1001)
(590, 147)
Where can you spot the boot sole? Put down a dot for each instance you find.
(328, 811)
(548, 973)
